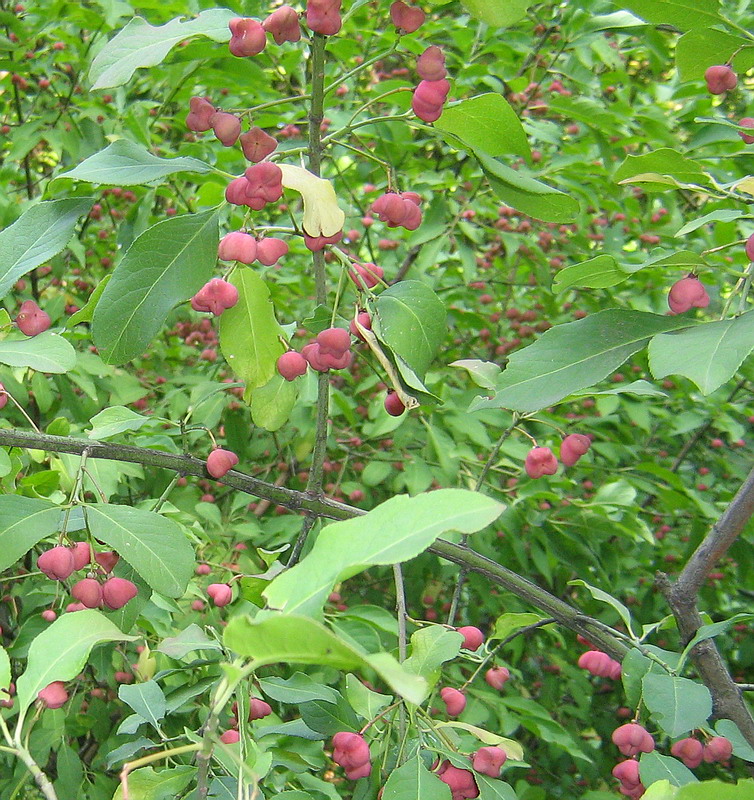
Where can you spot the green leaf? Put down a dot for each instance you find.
(140, 44)
(271, 404)
(493, 789)
(300, 640)
(86, 313)
(708, 354)
(411, 321)
(187, 641)
(486, 123)
(152, 544)
(604, 597)
(512, 749)
(164, 266)
(710, 631)
(660, 790)
(570, 357)
(677, 704)
(655, 767)
(596, 273)
(431, 647)
(114, 420)
(36, 236)
(5, 674)
(249, 333)
(705, 47)
(395, 531)
(683, 14)
(729, 729)
(60, 651)
(24, 521)
(167, 784)
(508, 623)
(413, 780)
(743, 790)
(483, 373)
(125, 163)
(527, 194)
(329, 718)
(497, 12)
(365, 702)
(299, 688)
(722, 215)
(146, 699)
(640, 388)
(661, 163)
(46, 352)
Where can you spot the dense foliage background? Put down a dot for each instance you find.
(580, 168)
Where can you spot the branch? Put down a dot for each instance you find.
(323, 507)
(682, 598)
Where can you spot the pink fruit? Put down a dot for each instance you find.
(199, 115)
(540, 461)
(257, 145)
(364, 320)
(333, 341)
(431, 64)
(398, 209)
(248, 37)
(323, 16)
(82, 555)
(220, 593)
(461, 781)
(56, 563)
(53, 695)
(3, 396)
(116, 592)
(227, 127)
(689, 292)
(690, 751)
(627, 772)
(49, 615)
(258, 709)
(351, 751)
(292, 365)
(600, 664)
(472, 637)
(720, 79)
(632, 738)
(406, 18)
(123, 677)
(317, 243)
(31, 320)
(197, 605)
(221, 461)
(393, 404)
(238, 246)
(71, 607)
(368, 274)
(746, 122)
(270, 250)
(429, 98)
(283, 25)
(203, 569)
(489, 760)
(749, 249)
(230, 737)
(718, 748)
(573, 447)
(455, 701)
(311, 353)
(88, 592)
(235, 191)
(215, 296)
(497, 677)
(107, 560)
(264, 184)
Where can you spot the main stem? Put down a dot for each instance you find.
(316, 115)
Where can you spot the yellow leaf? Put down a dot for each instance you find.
(322, 215)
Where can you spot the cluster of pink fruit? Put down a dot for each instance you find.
(632, 739)
(600, 665)
(399, 209)
(330, 350)
(258, 709)
(245, 248)
(720, 79)
(541, 460)
(59, 563)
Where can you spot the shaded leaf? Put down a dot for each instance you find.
(24, 521)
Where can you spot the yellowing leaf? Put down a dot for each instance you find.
(322, 215)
